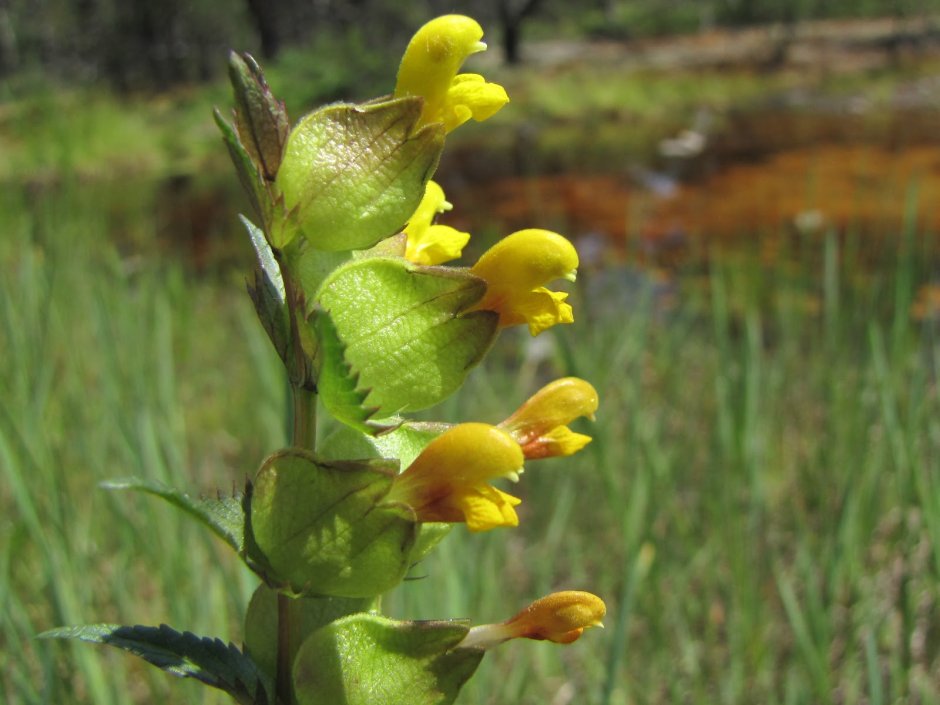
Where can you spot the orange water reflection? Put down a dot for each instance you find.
(867, 189)
(833, 165)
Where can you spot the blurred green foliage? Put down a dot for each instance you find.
(135, 45)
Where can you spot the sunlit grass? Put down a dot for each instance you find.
(760, 507)
(112, 368)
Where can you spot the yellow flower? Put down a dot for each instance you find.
(516, 270)
(428, 242)
(449, 480)
(560, 617)
(429, 69)
(540, 426)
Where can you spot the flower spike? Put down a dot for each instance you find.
(449, 480)
(516, 270)
(540, 426)
(428, 242)
(560, 618)
(429, 69)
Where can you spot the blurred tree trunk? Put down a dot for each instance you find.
(9, 56)
(264, 15)
(511, 15)
(282, 23)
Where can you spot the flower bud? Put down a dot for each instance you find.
(560, 617)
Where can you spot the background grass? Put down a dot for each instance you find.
(759, 507)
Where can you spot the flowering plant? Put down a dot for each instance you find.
(351, 289)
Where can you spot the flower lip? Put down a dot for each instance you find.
(429, 243)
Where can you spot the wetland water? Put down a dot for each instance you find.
(797, 165)
(775, 170)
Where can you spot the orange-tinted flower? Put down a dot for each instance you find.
(560, 618)
(449, 480)
(540, 425)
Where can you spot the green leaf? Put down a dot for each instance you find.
(355, 174)
(337, 383)
(400, 329)
(310, 266)
(347, 442)
(431, 534)
(365, 659)
(208, 660)
(323, 530)
(305, 616)
(267, 264)
(407, 441)
(223, 515)
(404, 443)
(260, 119)
(267, 292)
(248, 173)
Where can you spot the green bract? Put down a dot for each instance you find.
(399, 337)
(323, 530)
(365, 659)
(353, 175)
(306, 616)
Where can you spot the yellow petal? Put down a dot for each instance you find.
(541, 309)
(557, 443)
(560, 617)
(437, 244)
(447, 481)
(528, 259)
(432, 244)
(432, 60)
(432, 203)
(470, 96)
(515, 270)
(486, 508)
(470, 453)
(540, 424)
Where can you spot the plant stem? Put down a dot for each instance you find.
(304, 421)
(303, 435)
(283, 680)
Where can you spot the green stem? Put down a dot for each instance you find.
(283, 681)
(304, 419)
(303, 435)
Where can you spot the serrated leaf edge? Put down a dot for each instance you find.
(135, 643)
